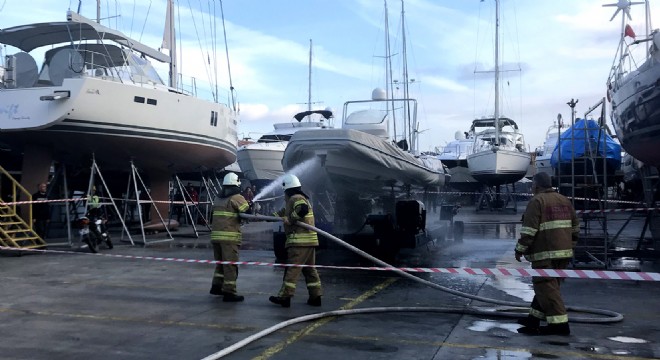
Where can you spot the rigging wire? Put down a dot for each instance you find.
(231, 85)
(199, 42)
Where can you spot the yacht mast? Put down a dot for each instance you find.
(389, 85)
(169, 42)
(309, 80)
(406, 95)
(497, 73)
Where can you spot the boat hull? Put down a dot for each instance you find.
(261, 161)
(500, 167)
(361, 162)
(461, 179)
(636, 112)
(117, 123)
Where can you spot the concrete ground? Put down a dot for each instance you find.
(75, 305)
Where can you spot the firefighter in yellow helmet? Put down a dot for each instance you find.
(548, 235)
(300, 244)
(226, 237)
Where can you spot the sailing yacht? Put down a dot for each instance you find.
(498, 156)
(632, 88)
(261, 162)
(97, 95)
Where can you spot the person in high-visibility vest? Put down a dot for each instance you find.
(300, 245)
(548, 235)
(226, 237)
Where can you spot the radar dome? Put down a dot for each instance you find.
(378, 94)
(459, 135)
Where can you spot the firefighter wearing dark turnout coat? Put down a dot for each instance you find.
(300, 245)
(226, 237)
(549, 232)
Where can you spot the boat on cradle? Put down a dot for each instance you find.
(544, 152)
(261, 162)
(98, 95)
(633, 88)
(454, 157)
(588, 153)
(498, 156)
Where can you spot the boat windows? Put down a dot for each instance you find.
(21, 71)
(139, 99)
(274, 138)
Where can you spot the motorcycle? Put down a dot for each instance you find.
(94, 232)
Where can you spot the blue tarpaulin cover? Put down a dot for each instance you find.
(583, 144)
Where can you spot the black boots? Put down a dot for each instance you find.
(232, 298)
(562, 329)
(216, 290)
(281, 300)
(314, 301)
(530, 321)
(555, 329)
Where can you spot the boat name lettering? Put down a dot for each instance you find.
(10, 110)
(93, 91)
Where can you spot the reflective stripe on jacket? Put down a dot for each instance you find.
(296, 235)
(226, 225)
(549, 224)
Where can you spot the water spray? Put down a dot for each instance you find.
(275, 186)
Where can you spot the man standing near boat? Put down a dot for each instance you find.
(226, 237)
(548, 235)
(301, 245)
(41, 211)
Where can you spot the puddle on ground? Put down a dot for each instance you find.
(496, 354)
(486, 325)
(514, 287)
(628, 340)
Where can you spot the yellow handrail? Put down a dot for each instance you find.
(17, 186)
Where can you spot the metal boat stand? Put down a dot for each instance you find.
(491, 198)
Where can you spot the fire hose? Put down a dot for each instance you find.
(509, 309)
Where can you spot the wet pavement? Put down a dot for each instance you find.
(74, 305)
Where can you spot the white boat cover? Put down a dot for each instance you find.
(362, 159)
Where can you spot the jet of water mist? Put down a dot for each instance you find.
(275, 187)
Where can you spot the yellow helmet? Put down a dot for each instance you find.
(231, 179)
(290, 181)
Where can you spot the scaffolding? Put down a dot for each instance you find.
(586, 179)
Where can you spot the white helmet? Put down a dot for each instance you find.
(231, 179)
(290, 181)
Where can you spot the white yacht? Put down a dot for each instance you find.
(544, 152)
(261, 162)
(98, 96)
(498, 156)
(454, 156)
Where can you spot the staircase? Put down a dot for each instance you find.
(15, 232)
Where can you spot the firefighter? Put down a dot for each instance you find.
(548, 235)
(300, 245)
(226, 237)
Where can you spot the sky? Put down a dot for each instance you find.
(551, 51)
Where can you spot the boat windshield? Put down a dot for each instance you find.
(369, 116)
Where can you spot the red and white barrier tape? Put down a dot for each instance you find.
(560, 273)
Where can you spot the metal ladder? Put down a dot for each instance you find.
(15, 232)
